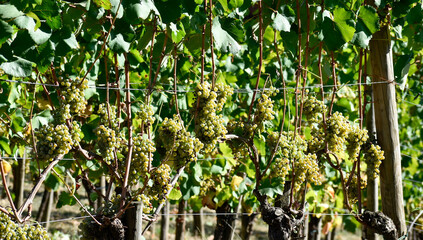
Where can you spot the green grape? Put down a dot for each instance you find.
(161, 183)
(243, 129)
(54, 140)
(337, 130)
(264, 111)
(104, 115)
(176, 143)
(313, 109)
(208, 184)
(353, 187)
(140, 158)
(212, 126)
(146, 114)
(107, 143)
(356, 138)
(373, 156)
(72, 92)
(294, 149)
(9, 230)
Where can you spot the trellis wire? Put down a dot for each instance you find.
(240, 90)
(194, 214)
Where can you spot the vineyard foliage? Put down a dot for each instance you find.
(205, 101)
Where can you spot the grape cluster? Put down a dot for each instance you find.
(140, 157)
(206, 185)
(307, 168)
(313, 109)
(356, 138)
(56, 139)
(107, 142)
(157, 189)
(146, 114)
(9, 230)
(72, 92)
(373, 156)
(243, 129)
(104, 115)
(353, 187)
(212, 125)
(264, 111)
(177, 144)
(337, 130)
(294, 149)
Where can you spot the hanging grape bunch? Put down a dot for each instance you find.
(54, 140)
(244, 130)
(72, 93)
(264, 111)
(107, 142)
(176, 144)
(9, 230)
(373, 156)
(108, 115)
(211, 126)
(313, 109)
(294, 149)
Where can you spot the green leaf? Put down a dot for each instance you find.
(5, 145)
(52, 182)
(9, 11)
(118, 44)
(342, 19)
(402, 66)
(175, 194)
(415, 16)
(224, 4)
(338, 31)
(65, 199)
(236, 3)
(39, 35)
(283, 19)
(36, 18)
(6, 31)
(104, 4)
(70, 40)
(17, 68)
(93, 196)
(367, 24)
(223, 40)
(141, 10)
(177, 32)
(370, 18)
(169, 10)
(41, 119)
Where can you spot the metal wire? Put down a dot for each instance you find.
(240, 90)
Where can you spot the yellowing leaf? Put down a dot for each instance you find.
(6, 166)
(236, 180)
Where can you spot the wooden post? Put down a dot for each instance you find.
(198, 226)
(133, 220)
(372, 184)
(19, 180)
(386, 119)
(180, 221)
(165, 222)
